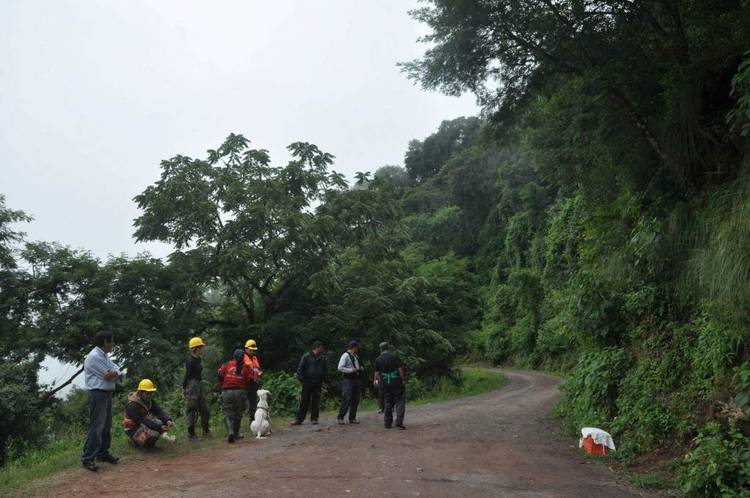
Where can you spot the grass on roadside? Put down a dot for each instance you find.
(653, 480)
(476, 380)
(66, 453)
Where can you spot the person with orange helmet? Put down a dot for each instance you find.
(251, 360)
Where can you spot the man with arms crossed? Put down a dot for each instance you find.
(100, 376)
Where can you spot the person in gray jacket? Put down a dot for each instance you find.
(351, 384)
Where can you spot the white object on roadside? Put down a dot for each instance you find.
(599, 436)
(169, 437)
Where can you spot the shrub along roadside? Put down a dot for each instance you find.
(66, 452)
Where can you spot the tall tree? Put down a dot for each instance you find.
(425, 158)
(658, 63)
(244, 224)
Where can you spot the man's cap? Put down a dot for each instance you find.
(384, 346)
(353, 344)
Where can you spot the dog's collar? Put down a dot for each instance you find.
(261, 408)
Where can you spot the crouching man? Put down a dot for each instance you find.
(144, 422)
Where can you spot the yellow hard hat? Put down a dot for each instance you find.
(146, 385)
(250, 344)
(196, 342)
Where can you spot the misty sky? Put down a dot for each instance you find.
(94, 94)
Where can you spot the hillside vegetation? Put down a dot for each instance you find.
(595, 221)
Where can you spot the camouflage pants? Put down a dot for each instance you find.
(145, 437)
(196, 405)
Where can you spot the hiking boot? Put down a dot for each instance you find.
(296, 422)
(90, 466)
(387, 426)
(400, 427)
(314, 422)
(354, 421)
(340, 421)
(192, 437)
(108, 458)
(230, 438)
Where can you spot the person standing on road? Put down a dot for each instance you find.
(100, 376)
(351, 384)
(311, 372)
(389, 372)
(234, 376)
(381, 393)
(191, 387)
(252, 361)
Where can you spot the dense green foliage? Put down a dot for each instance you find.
(285, 255)
(615, 239)
(595, 222)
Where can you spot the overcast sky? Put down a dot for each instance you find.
(94, 94)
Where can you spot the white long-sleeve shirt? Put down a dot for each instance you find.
(346, 365)
(95, 368)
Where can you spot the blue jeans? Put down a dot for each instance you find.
(98, 436)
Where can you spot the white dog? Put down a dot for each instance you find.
(261, 425)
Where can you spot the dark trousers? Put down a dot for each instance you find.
(196, 405)
(252, 397)
(350, 393)
(395, 397)
(233, 405)
(99, 433)
(310, 399)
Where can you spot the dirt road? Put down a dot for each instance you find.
(499, 444)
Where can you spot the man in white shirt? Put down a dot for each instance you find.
(100, 376)
(351, 384)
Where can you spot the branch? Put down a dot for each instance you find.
(236, 291)
(639, 121)
(48, 395)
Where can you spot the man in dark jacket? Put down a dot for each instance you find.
(191, 388)
(311, 373)
(144, 422)
(389, 372)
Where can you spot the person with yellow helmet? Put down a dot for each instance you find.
(191, 388)
(143, 421)
(251, 360)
